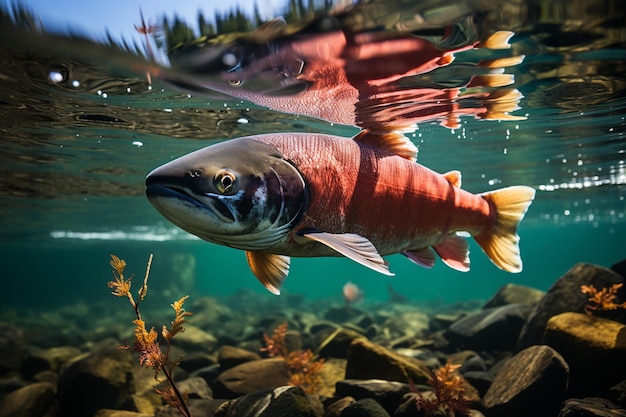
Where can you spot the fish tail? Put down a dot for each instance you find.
(501, 244)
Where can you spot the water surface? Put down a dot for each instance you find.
(83, 121)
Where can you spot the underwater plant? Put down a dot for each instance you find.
(302, 366)
(449, 393)
(603, 299)
(146, 341)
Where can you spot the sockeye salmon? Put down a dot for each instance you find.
(378, 80)
(286, 195)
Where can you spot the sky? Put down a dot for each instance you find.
(94, 17)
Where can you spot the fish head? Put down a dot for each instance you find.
(240, 193)
(238, 68)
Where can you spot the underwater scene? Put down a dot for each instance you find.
(377, 208)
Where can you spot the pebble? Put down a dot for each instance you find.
(517, 353)
(106, 378)
(590, 407)
(230, 356)
(387, 393)
(495, 328)
(279, 401)
(37, 399)
(565, 296)
(594, 348)
(367, 360)
(251, 376)
(515, 294)
(366, 407)
(533, 382)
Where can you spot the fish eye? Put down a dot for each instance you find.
(235, 83)
(225, 181)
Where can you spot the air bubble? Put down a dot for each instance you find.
(55, 76)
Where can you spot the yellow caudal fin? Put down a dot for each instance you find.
(501, 243)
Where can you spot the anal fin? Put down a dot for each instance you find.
(352, 246)
(270, 269)
(454, 252)
(423, 257)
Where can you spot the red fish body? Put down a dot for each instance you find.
(356, 188)
(310, 195)
(378, 80)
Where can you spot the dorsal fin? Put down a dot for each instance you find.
(393, 141)
(498, 40)
(501, 62)
(271, 270)
(268, 30)
(454, 178)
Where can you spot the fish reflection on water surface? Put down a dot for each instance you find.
(377, 79)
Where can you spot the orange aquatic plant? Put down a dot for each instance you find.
(146, 341)
(449, 392)
(603, 299)
(304, 370)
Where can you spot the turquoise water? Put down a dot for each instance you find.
(75, 156)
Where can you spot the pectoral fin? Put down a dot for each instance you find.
(271, 270)
(352, 246)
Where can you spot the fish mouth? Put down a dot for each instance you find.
(207, 202)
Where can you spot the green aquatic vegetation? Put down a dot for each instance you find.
(147, 344)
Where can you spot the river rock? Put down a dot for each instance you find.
(34, 400)
(491, 329)
(230, 356)
(620, 268)
(533, 382)
(590, 407)
(514, 294)
(407, 406)
(335, 409)
(280, 401)
(335, 343)
(39, 360)
(105, 378)
(250, 377)
(341, 314)
(564, 296)
(618, 393)
(198, 407)
(119, 413)
(594, 348)
(368, 360)
(12, 347)
(408, 323)
(387, 393)
(366, 407)
(333, 371)
(195, 339)
(195, 387)
(196, 360)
